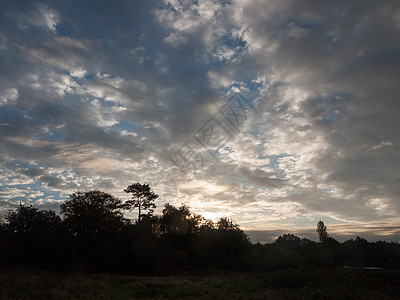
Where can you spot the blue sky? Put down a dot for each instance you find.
(276, 113)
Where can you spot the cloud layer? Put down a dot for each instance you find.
(101, 95)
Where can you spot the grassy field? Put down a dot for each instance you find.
(25, 283)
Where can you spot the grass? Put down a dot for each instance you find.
(337, 283)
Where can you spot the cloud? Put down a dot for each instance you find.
(35, 14)
(9, 96)
(103, 97)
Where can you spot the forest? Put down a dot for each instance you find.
(91, 234)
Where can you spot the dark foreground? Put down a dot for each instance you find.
(337, 283)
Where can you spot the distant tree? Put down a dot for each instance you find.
(289, 241)
(142, 198)
(322, 233)
(28, 220)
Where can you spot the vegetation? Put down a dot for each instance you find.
(92, 235)
(142, 198)
(322, 233)
(332, 283)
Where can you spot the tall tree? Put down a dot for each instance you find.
(142, 198)
(96, 230)
(322, 233)
(89, 213)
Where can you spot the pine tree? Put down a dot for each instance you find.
(142, 198)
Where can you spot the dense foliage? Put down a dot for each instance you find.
(93, 235)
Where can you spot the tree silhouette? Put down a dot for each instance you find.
(90, 213)
(28, 220)
(31, 233)
(225, 224)
(230, 244)
(94, 236)
(322, 233)
(142, 198)
(179, 220)
(95, 229)
(289, 241)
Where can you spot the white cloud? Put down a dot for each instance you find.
(48, 17)
(9, 97)
(40, 15)
(78, 73)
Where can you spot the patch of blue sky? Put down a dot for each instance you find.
(90, 76)
(124, 126)
(106, 103)
(280, 174)
(37, 185)
(261, 157)
(9, 115)
(254, 84)
(51, 136)
(274, 160)
(332, 117)
(274, 164)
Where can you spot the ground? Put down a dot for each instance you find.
(335, 283)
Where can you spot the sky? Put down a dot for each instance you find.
(276, 114)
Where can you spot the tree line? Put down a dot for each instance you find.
(91, 234)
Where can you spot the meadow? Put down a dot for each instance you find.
(317, 283)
